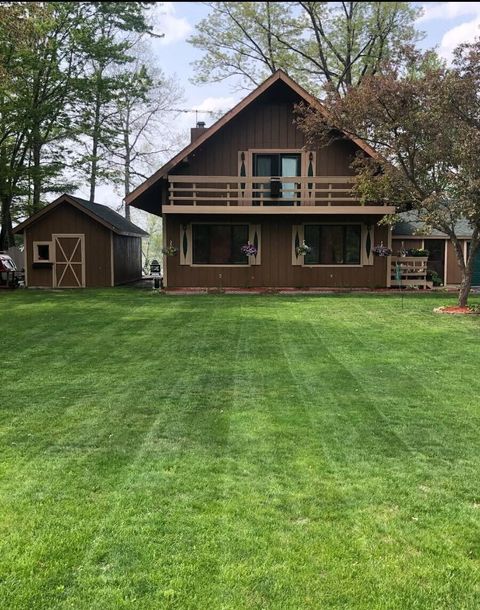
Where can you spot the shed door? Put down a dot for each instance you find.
(69, 266)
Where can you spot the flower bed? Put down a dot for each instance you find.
(455, 309)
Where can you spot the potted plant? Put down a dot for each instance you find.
(169, 250)
(249, 249)
(303, 249)
(418, 252)
(381, 250)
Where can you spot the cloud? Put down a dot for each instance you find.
(218, 104)
(465, 32)
(449, 10)
(174, 28)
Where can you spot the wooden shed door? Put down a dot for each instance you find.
(69, 266)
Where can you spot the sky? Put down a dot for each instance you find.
(445, 24)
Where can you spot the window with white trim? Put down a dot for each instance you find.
(42, 252)
(219, 244)
(332, 244)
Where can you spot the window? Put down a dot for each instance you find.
(219, 244)
(332, 244)
(277, 165)
(42, 252)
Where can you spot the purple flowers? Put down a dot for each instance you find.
(381, 250)
(249, 249)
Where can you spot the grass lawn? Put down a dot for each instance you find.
(238, 452)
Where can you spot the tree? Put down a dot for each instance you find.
(105, 40)
(138, 119)
(152, 245)
(423, 119)
(17, 33)
(339, 43)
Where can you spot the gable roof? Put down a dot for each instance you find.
(101, 213)
(279, 75)
(410, 226)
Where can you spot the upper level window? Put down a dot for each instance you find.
(277, 165)
(333, 244)
(219, 244)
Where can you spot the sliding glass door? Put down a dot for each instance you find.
(277, 165)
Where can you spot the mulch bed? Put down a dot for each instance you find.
(455, 309)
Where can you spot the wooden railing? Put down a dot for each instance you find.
(409, 271)
(240, 190)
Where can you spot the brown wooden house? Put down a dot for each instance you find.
(72, 243)
(250, 178)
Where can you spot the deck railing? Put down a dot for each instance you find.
(261, 191)
(409, 271)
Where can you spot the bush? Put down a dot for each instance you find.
(417, 252)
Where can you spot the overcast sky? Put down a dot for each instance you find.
(446, 24)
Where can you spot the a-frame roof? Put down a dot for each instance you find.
(101, 213)
(279, 75)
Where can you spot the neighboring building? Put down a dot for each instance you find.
(410, 233)
(72, 243)
(251, 178)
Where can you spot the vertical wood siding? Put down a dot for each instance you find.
(276, 269)
(127, 258)
(266, 123)
(67, 219)
(454, 275)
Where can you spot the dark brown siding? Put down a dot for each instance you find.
(264, 124)
(454, 275)
(67, 219)
(276, 269)
(127, 258)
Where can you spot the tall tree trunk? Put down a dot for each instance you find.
(95, 141)
(36, 172)
(126, 143)
(6, 232)
(466, 268)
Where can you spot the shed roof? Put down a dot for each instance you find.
(409, 225)
(101, 213)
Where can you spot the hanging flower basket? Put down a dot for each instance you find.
(382, 250)
(249, 249)
(170, 250)
(303, 249)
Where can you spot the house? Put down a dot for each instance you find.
(250, 178)
(411, 233)
(72, 243)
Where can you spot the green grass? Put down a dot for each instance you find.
(238, 452)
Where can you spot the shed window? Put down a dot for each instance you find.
(217, 244)
(332, 244)
(42, 251)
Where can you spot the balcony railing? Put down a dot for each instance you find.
(261, 191)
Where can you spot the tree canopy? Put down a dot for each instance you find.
(64, 69)
(317, 43)
(423, 119)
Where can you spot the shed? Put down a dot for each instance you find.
(72, 243)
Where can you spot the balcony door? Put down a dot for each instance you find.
(277, 165)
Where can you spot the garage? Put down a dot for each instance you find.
(72, 243)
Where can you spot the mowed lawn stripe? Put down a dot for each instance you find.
(238, 452)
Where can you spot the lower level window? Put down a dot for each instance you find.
(219, 244)
(332, 244)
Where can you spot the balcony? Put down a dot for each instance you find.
(207, 194)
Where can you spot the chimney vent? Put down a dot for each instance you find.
(196, 132)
